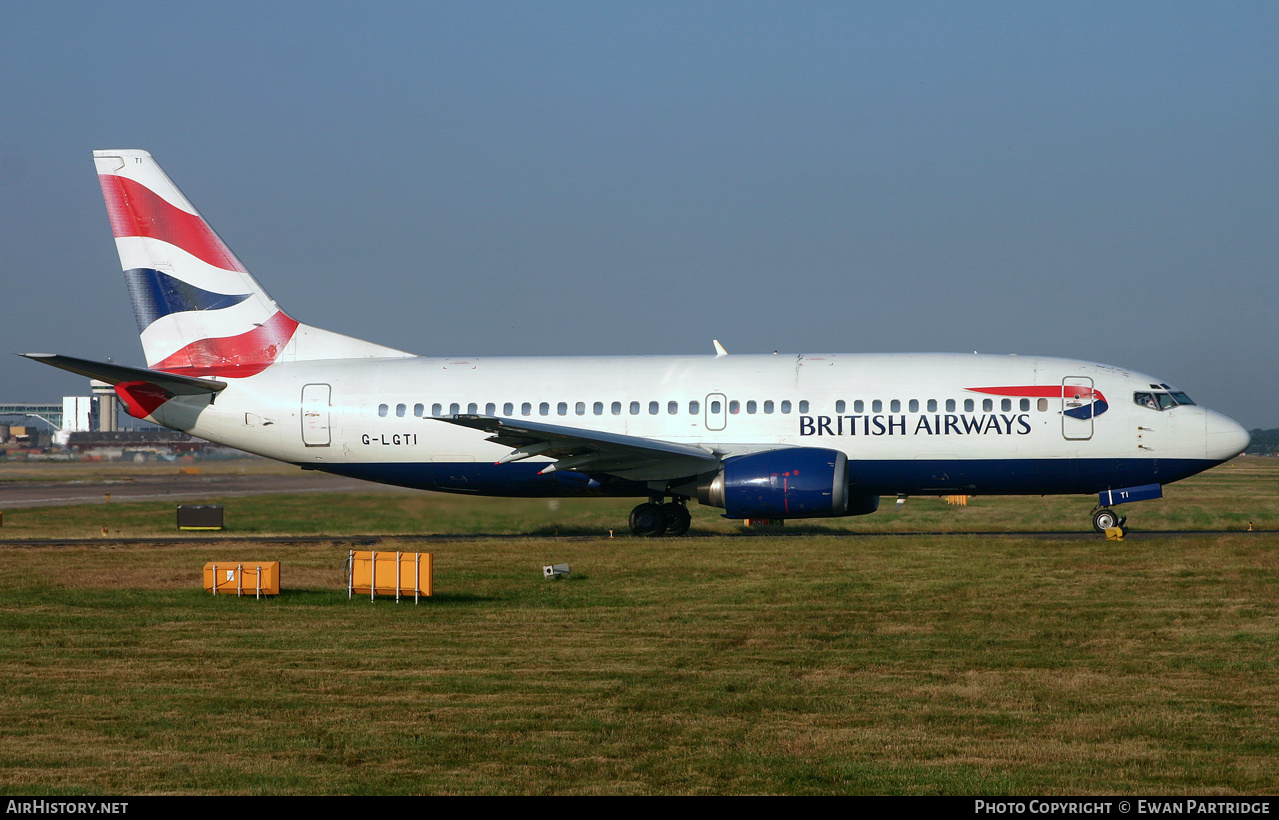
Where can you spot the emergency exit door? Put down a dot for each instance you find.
(1077, 408)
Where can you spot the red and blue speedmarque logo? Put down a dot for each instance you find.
(1079, 402)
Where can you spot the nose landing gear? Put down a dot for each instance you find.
(1104, 518)
(654, 518)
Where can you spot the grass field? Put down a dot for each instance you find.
(803, 663)
(1230, 497)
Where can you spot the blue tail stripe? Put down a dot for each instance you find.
(157, 294)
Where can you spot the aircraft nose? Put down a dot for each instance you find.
(1224, 438)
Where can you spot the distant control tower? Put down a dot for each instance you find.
(108, 406)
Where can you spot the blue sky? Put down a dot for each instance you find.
(1094, 180)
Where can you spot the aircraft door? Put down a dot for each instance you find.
(315, 415)
(1076, 408)
(716, 411)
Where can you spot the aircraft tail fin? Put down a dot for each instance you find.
(199, 311)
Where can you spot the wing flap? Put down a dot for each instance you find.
(592, 451)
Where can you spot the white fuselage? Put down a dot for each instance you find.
(916, 413)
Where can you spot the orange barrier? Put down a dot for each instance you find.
(389, 573)
(256, 578)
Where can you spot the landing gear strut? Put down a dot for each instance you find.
(1105, 518)
(654, 518)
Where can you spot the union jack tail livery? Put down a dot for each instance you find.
(199, 311)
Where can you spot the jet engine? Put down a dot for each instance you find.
(793, 482)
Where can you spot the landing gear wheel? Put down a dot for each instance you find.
(648, 520)
(677, 518)
(1104, 519)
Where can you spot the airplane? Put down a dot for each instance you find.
(771, 437)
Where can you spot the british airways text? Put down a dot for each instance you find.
(949, 424)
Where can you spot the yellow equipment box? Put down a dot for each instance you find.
(389, 573)
(255, 578)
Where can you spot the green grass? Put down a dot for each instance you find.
(794, 664)
(1230, 497)
(815, 665)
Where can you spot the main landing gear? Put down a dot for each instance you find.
(654, 518)
(1103, 518)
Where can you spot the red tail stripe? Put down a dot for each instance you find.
(234, 357)
(136, 210)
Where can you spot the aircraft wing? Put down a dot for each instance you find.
(592, 451)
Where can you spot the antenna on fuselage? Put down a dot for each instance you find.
(720, 352)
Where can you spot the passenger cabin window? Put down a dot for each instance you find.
(734, 407)
(785, 407)
(544, 408)
(859, 406)
(932, 405)
(562, 408)
(580, 408)
(635, 408)
(418, 410)
(950, 405)
(968, 405)
(508, 409)
(913, 406)
(768, 407)
(598, 408)
(839, 407)
(672, 407)
(715, 407)
(383, 409)
(694, 407)
(617, 408)
(1006, 405)
(473, 408)
(437, 410)
(400, 410)
(803, 406)
(454, 409)
(876, 406)
(526, 409)
(652, 408)
(751, 407)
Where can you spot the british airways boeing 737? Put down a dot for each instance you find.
(770, 436)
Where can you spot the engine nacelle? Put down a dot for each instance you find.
(792, 482)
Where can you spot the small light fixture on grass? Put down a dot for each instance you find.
(556, 571)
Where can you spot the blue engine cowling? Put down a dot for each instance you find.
(793, 482)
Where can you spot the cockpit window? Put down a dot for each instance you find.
(1160, 400)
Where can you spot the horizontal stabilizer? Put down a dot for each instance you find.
(118, 374)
